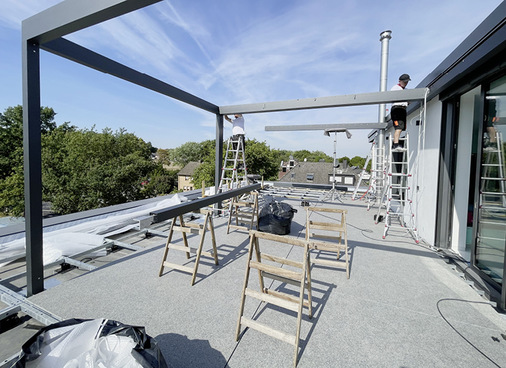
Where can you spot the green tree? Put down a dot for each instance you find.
(160, 182)
(11, 156)
(204, 172)
(163, 156)
(260, 160)
(281, 155)
(189, 151)
(357, 161)
(84, 169)
(344, 158)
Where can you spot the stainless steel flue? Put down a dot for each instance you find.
(385, 37)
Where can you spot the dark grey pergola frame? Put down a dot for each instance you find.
(45, 31)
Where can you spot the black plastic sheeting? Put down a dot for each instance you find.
(276, 218)
(146, 351)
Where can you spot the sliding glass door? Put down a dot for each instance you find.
(491, 226)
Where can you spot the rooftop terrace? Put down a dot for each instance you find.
(404, 305)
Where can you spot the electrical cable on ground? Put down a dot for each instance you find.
(469, 342)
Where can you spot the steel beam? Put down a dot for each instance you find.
(91, 59)
(11, 298)
(32, 167)
(361, 99)
(73, 15)
(218, 158)
(350, 126)
(180, 209)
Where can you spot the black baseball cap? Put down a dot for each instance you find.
(404, 77)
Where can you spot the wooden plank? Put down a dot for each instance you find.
(268, 330)
(184, 229)
(182, 248)
(280, 278)
(326, 226)
(326, 246)
(276, 270)
(238, 227)
(274, 299)
(279, 238)
(287, 297)
(326, 209)
(324, 236)
(281, 260)
(327, 262)
(178, 267)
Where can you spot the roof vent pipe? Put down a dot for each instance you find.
(385, 37)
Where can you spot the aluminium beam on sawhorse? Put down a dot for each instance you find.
(189, 228)
(301, 279)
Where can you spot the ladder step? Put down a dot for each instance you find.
(268, 330)
(182, 248)
(327, 262)
(292, 305)
(178, 267)
(238, 227)
(276, 271)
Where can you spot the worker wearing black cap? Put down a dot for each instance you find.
(398, 112)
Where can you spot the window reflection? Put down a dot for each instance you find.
(491, 240)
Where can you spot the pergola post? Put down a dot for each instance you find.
(32, 166)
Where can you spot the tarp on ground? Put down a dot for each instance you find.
(96, 343)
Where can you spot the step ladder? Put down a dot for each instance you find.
(397, 194)
(286, 271)
(244, 212)
(492, 196)
(492, 176)
(234, 169)
(373, 177)
(190, 228)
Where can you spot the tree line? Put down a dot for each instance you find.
(83, 169)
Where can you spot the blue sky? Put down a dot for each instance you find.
(242, 51)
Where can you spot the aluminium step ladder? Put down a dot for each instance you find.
(492, 198)
(234, 169)
(397, 193)
(373, 178)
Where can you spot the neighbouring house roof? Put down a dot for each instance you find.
(320, 171)
(189, 169)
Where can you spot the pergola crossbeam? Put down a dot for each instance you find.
(361, 99)
(350, 126)
(73, 15)
(91, 59)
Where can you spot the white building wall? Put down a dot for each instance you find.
(424, 146)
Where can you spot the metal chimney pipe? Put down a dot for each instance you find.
(385, 37)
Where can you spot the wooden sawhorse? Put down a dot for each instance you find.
(243, 211)
(335, 230)
(302, 279)
(191, 228)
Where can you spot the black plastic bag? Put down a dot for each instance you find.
(276, 218)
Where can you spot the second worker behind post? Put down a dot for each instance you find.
(398, 112)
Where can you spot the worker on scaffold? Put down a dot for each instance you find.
(398, 112)
(238, 132)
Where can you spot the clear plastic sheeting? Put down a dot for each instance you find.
(73, 238)
(97, 343)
